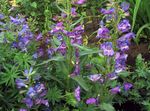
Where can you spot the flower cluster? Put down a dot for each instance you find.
(24, 35)
(35, 93)
(109, 49)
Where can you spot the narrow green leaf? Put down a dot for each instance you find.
(137, 39)
(81, 82)
(56, 58)
(137, 5)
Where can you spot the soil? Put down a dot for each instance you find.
(135, 49)
(128, 106)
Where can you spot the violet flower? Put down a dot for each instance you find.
(1, 16)
(17, 21)
(50, 52)
(39, 37)
(31, 92)
(112, 76)
(107, 11)
(57, 28)
(95, 77)
(20, 83)
(107, 49)
(127, 86)
(39, 88)
(79, 2)
(62, 48)
(120, 59)
(73, 12)
(125, 6)
(124, 26)
(28, 101)
(77, 93)
(23, 109)
(115, 90)
(103, 33)
(91, 101)
(63, 15)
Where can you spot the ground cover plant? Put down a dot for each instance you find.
(51, 61)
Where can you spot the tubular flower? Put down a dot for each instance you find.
(107, 11)
(91, 101)
(115, 90)
(127, 86)
(77, 93)
(125, 6)
(124, 26)
(94, 77)
(107, 49)
(103, 33)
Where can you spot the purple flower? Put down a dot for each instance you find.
(50, 52)
(73, 12)
(119, 67)
(31, 92)
(124, 26)
(115, 90)
(91, 101)
(63, 15)
(107, 11)
(23, 109)
(40, 101)
(20, 83)
(123, 46)
(79, 2)
(103, 33)
(14, 45)
(45, 102)
(127, 86)
(1, 16)
(40, 52)
(39, 37)
(127, 36)
(16, 20)
(77, 93)
(95, 77)
(78, 30)
(58, 28)
(120, 59)
(23, 41)
(125, 6)
(39, 88)
(107, 49)
(27, 72)
(112, 76)
(35, 55)
(75, 39)
(124, 41)
(60, 37)
(62, 48)
(28, 102)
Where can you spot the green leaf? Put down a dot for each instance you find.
(54, 95)
(107, 107)
(56, 58)
(87, 51)
(81, 82)
(137, 5)
(34, 4)
(137, 38)
(70, 99)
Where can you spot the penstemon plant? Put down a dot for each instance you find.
(70, 75)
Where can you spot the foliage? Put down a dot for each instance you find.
(141, 17)
(48, 62)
